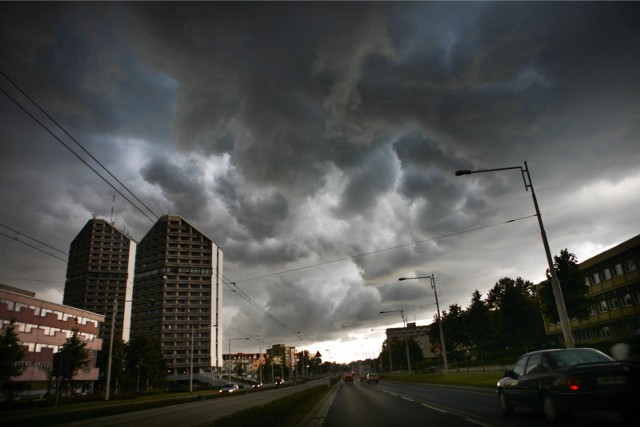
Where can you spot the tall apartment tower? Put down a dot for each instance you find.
(178, 294)
(100, 271)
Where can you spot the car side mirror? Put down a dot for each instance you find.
(509, 373)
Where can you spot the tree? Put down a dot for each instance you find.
(119, 373)
(478, 324)
(73, 356)
(11, 352)
(518, 322)
(144, 357)
(573, 285)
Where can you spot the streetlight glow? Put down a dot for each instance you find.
(555, 283)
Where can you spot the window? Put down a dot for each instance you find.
(603, 306)
(607, 332)
(595, 278)
(617, 269)
(626, 299)
(587, 282)
(593, 310)
(536, 365)
(613, 302)
(518, 368)
(606, 273)
(630, 264)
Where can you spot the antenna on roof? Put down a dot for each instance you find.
(113, 201)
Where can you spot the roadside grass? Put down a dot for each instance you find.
(483, 379)
(45, 416)
(284, 412)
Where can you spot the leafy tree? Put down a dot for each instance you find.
(453, 325)
(574, 289)
(518, 320)
(11, 352)
(74, 356)
(478, 324)
(144, 357)
(119, 373)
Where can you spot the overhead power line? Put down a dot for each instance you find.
(382, 250)
(32, 246)
(35, 240)
(247, 298)
(15, 101)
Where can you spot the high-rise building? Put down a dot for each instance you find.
(178, 294)
(100, 271)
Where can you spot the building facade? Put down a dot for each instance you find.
(100, 272)
(177, 295)
(42, 328)
(613, 279)
(420, 334)
(249, 363)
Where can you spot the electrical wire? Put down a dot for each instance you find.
(15, 101)
(382, 250)
(35, 240)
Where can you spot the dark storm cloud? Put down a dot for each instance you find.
(180, 184)
(296, 133)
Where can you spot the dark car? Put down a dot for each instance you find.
(372, 377)
(348, 377)
(563, 380)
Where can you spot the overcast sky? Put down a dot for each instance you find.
(297, 134)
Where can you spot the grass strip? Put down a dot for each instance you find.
(51, 416)
(284, 412)
(483, 379)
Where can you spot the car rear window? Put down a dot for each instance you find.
(572, 357)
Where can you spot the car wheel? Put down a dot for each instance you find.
(552, 412)
(505, 406)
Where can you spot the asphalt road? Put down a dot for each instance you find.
(404, 404)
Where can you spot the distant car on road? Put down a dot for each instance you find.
(348, 377)
(256, 385)
(372, 377)
(560, 381)
(229, 388)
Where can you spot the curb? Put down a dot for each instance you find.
(316, 417)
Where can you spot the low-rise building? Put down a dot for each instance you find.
(613, 279)
(42, 328)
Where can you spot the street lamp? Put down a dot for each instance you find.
(229, 369)
(406, 342)
(555, 283)
(432, 278)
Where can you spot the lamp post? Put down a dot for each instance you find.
(113, 330)
(406, 342)
(191, 364)
(229, 369)
(432, 278)
(555, 283)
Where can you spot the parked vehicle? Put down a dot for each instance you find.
(372, 377)
(229, 388)
(560, 381)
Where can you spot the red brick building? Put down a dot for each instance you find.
(42, 328)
